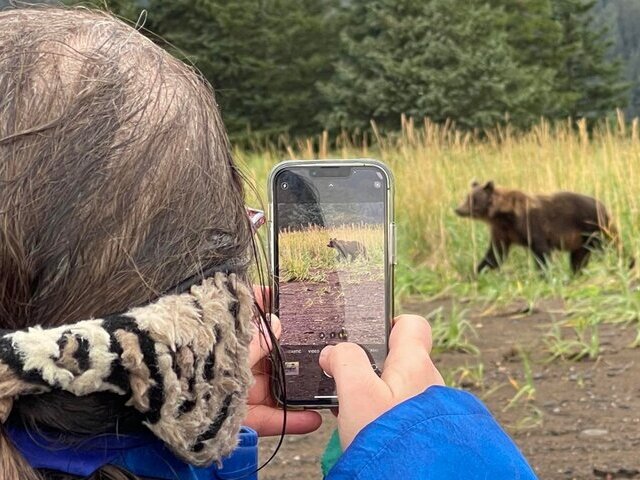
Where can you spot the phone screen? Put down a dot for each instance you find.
(331, 258)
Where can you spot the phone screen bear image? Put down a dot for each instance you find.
(348, 250)
(332, 285)
(331, 276)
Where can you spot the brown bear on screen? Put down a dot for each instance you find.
(562, 221)
(348, 251)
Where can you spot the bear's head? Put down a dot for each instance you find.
(478, 201)
(332, 243)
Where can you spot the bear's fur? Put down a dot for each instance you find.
(562, 221)
(348, 250)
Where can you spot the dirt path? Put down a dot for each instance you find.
(584, 419)
(343, 307)
(347, 306)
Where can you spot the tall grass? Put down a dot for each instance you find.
(305, 255)
(433, 166)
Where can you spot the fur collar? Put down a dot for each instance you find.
(182, 361)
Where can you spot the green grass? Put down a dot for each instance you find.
(525, 391)
(465, 376)
(583, 341)
(305, 256)
(452, 332)
(433, 166)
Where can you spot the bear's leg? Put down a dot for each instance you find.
(495, 255)
(579, 258)
(541, 252)
(593, 242)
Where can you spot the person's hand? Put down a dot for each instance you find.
(363, 396)
(264, 416)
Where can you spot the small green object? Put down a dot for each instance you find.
(331, 453)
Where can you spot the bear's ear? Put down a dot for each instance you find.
(489, 186)
(474, 184)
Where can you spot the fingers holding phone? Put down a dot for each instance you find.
(263, 414)
(408, 369)
(363, 396)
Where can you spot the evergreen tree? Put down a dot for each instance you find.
(282, 65)
(443, 59)
(560, 38)
(532, 31)
(622, 19)
(536, 37)
(263, 57)
(590, 85)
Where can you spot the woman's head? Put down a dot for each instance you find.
(116, 183)
(116, 180)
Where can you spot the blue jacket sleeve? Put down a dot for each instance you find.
(442, 433)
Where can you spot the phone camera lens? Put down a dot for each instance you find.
(377, 184)
(284, 186)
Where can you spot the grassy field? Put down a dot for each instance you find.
(304, 254)
(529, 344)
(433, 166)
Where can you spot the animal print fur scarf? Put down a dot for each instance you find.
(182, 361)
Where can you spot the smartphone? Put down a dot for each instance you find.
(332, 235)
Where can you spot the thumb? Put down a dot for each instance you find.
(351, 369)
(362, 395)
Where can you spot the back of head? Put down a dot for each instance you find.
(116, 182)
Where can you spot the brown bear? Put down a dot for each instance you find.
(348, 250)
(562, 221)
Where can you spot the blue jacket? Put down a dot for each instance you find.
(142, 454)
(442, 433)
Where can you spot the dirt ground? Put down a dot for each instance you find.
(345, 307)
(583, 422)
(338, 309)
